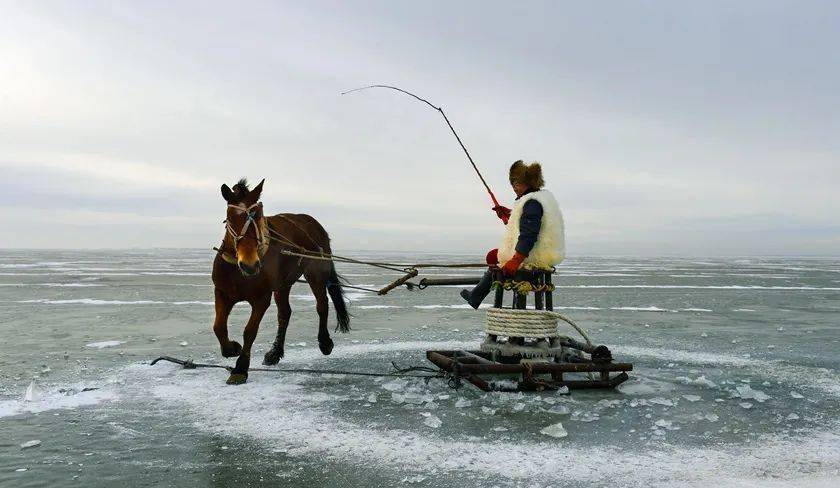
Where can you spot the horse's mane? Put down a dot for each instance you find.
(240, 189)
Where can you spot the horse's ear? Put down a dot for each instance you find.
(226, 193)
(254, 196)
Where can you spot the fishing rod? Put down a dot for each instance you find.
(492, 196)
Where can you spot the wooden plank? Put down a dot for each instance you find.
(475, 357)
(444, 357)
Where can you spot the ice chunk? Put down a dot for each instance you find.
(793, 416)
(31, 393)
(746, 405)
(500, 429)
(32, 443)
(184, 344)
(431, 420)
(662, 401)
(711, 417)
(395, 385)
(563, 390)
(692, 398)
(700, 381)
(666, 424)
(518, 407)
(488, 410)
(372, 398)
(605, 403)
(555, 430)
(504, 385)
(414, 479)
(103, 344)
(797, 395)
(462, 403)
(748, 393)
(581, 416)
(559, 410)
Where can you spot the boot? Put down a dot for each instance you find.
(481, 290)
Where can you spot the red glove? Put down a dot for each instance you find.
(503, 213)
(493, 257)
(510, 267)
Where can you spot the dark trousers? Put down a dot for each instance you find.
(481, 290)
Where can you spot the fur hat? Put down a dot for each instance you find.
(527, 174)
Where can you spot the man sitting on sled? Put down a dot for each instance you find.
(534, 230)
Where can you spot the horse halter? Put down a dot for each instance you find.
(250, 218)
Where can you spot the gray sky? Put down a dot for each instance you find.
(697, 128)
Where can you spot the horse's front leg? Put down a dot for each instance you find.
(220, 325)
(258, 307)
(284, 313)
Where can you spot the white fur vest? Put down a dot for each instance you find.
(550, 248)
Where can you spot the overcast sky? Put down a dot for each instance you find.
(695, 128)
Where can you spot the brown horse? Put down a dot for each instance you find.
(250, 266)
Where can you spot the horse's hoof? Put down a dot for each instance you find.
(237, 379)
(272, 357)
(326, 346)
(232, 350)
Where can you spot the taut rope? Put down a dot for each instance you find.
(397, 371)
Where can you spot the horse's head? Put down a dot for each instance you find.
(245, 225)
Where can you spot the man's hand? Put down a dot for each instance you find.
(512, 266)
(503, 213)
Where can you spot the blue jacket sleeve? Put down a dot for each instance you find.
(529, 226)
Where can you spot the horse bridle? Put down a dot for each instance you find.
(250, 218)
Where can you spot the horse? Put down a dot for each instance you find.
(250, 266)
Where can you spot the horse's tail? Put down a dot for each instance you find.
(336, 292)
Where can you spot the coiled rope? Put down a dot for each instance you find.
(527, 323)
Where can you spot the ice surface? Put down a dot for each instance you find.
(55, 401)
(692, 398)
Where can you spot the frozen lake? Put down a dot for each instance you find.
(736, 380)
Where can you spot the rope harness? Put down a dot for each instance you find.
(253, 216)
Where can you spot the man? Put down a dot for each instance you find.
(534, 235)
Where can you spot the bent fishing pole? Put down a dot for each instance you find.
(492, 196)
